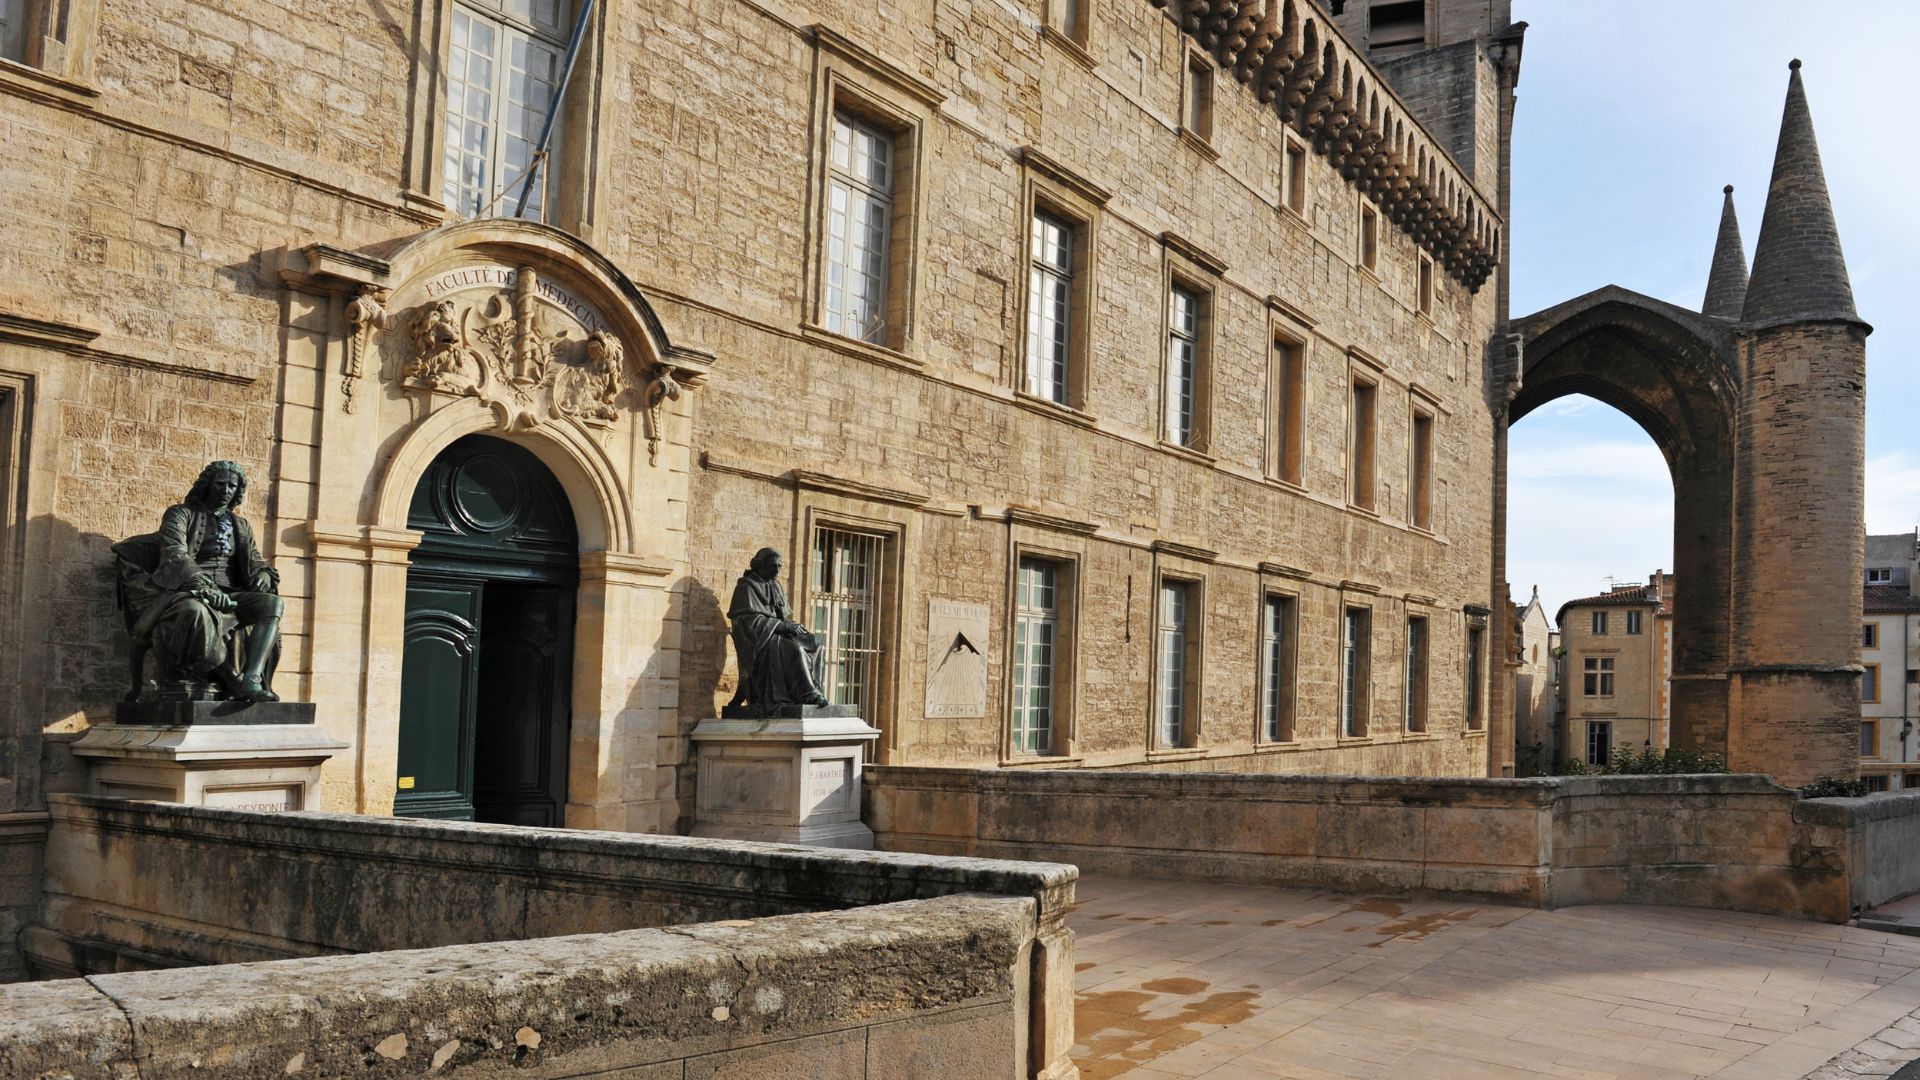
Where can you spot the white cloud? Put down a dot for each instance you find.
(1893, 492)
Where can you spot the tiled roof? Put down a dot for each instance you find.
(1626, 594)
(1889, 598)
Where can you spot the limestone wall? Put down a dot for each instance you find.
(1883, 839)
(1730, 842)
(936, 987)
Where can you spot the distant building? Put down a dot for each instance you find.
(1889, 641)
(1618, 651)
(1534, 690)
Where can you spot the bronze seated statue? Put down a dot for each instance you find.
(201, 598)
(779, 659)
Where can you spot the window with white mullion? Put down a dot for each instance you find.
(1277, 723)
(1171, 700)
(846, 614)
(859, 229)
(502, 69)
(1036, 626)
(1183, 346)
(1353, 673)
(1049, 307)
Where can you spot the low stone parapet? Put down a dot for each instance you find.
(933, 987)
(1732, 842)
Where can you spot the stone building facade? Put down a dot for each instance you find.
(1889, 659)
(1151, 336)
(1535, 690)
(1619, 670)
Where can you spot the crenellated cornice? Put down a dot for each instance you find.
(1294, 60)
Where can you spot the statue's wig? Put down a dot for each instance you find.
(763, 557)
(198, 497)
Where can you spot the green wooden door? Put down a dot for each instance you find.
(487, 671)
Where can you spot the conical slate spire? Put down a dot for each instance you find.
(1727, 281)
(1799, 274)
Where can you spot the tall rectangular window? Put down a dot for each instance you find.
(1296, 179)
(1599, 742)
(1049, 307)
(1634, 622)
(1171, 704)
(860, 174)
(1276, 669)
(1423, 299)
(1183, 364)
(1869, 738)
(848, 568)
(1599, 624)
(502, 70)
(1597, 676)
(1369, 238)
(13, 30)
(1870, 683)
(1870, 636)
(1416, 674)
(1036, 626)
(1197, 114)
(1476, 681)
(1289, 409)
(1355, 644)
(1420, 484)
(1362, 422)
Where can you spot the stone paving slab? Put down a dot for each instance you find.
(1237, 982)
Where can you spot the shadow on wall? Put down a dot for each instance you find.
(74, 655)
(707, 680)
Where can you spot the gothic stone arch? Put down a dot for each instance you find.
(1765, 644)
(521, 331)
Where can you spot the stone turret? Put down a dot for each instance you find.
(1727, 281)
(1799, 482)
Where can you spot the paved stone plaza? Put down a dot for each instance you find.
(1238, 983)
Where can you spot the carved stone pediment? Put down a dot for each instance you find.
(517, 341)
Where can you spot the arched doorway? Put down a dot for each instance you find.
(487, 670)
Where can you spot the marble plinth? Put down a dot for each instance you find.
(210, 753)
(791, 778)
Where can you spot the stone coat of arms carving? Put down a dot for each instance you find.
(528, 355)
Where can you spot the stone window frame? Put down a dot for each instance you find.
(1598, 624)
(1422, 462)
(1185, 265)
(17, 393)
(1605, 672)
(1636, 622)
(1424, 287)
(848, 78)
(1361, 730)
(1870, 676)
(1870, 723)
(1289, 390)
(1296, 163)
(1188, 568)
(1870, 635)
(818, 509)
(1069, 24)
(575, 178)
(1199, 87)
(1367, 237)
(56, 40)
(1364, 385)
(1289, 595)
(1048, 187)
(1587, 754)
(1476, 671)
(1028, 540)
(1416, 700)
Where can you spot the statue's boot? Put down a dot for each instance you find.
(260, 639)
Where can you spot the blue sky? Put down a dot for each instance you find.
(1632, 116)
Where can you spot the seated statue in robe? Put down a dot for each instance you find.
(779, 658)
(188, 588)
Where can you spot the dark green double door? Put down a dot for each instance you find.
(486, 681)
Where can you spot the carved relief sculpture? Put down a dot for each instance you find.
(366, 315)
(199, 595)
(660, 391)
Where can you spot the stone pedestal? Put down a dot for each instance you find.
(210, 753)
(793, 778)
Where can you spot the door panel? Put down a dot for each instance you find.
(526, 673)
(437, 685)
